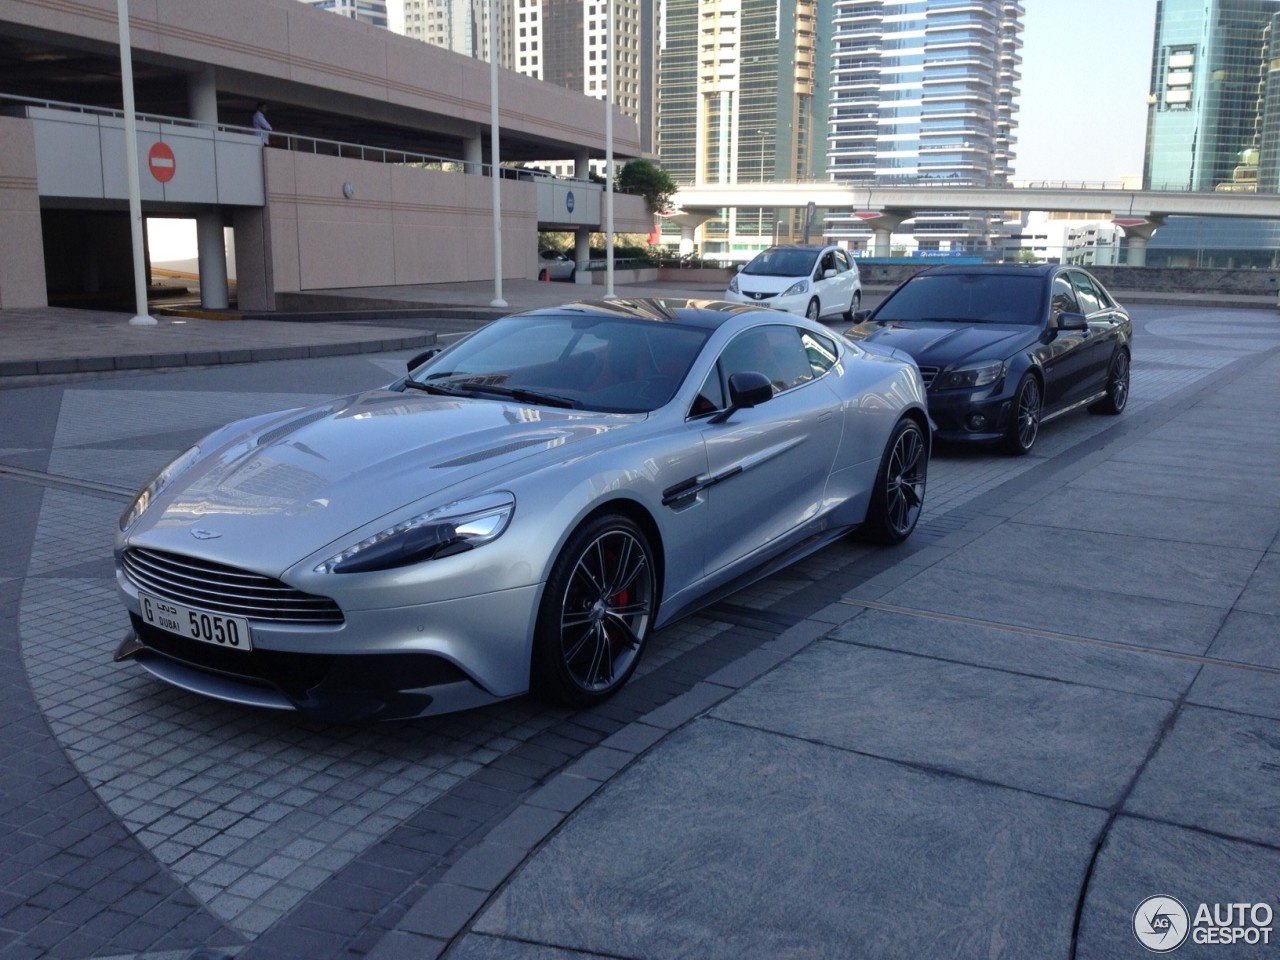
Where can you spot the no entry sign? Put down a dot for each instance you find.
(160, 162)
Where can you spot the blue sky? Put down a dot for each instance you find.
(1086, 72)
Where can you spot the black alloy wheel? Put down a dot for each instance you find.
(1117, 386)
(596, 613)
(898, 496)
(1028, 404)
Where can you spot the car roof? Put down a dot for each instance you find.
(1010, 269)
(708, 314)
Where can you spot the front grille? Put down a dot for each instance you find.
(222, 589)
(927, 374)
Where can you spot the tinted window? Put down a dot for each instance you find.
(775, 351)
(1090, 298)
(1064, 297)
(966, 297)
(611, 364)
(820, 350)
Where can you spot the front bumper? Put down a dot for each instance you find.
(795, 305)
(379, 664)
(961, 416)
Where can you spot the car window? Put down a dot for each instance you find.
(610, 364)
(1064, 298)
(820, 350)
(842, 262)
(774, 350)
(828, 262)
(1086, 293)
(966, 298)
(782, 262)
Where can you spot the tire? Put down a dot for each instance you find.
(1117, 386)
(573, 274)
(898, 496)
(1028, 404)
(814, 310)
(543, 275)
(854, 303)
(596, 613)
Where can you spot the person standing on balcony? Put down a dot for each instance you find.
(260, 122)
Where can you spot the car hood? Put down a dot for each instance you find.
(945, 344)
(268, 496)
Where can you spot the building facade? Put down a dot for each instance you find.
(742, 97)
(1214, 124)
(923, 91)
(462, 26)
(367, 11)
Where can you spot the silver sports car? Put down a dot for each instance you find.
(517, 513)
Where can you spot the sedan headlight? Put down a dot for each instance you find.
(733, 285)
(970, 376)
(158, 483)
(796, 289)
(453, 528)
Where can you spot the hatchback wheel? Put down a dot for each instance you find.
(1027, 406)
(813, 311)
(1117, 386)
(898, 496)
(596, 613)
(854, 303)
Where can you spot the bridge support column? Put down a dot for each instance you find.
(688, 224)
(211, 245)
(882, 224)
(1138, 230)
(582, 255)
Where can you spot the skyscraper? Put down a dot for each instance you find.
(1213, 123)
(1215, 96)
(923, 91)
(742, 99)
(461, 26)
(367, 11)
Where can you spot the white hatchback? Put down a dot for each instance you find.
(816, 282)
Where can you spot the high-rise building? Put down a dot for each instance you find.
(923, 91)
(1213, 123)
(461, 26)
(742, 99)
(367, 11)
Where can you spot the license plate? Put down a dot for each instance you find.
(221, 631)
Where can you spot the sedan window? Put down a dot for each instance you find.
(1064, 298)
(966, 298)
(1090, 300)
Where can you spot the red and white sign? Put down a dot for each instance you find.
(160, 162)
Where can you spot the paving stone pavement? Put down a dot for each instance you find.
(1059, 698)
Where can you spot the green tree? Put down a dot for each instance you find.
(650, 181)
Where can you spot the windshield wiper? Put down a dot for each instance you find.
(467, 388)
(518, 393)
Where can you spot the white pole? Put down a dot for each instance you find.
(608, 158)
(141, 318)
(497, 300)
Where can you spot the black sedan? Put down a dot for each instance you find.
(1003, 349)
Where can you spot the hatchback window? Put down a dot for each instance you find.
(782, 262)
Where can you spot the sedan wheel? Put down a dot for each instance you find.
(1117, 386)
(813, 311)
(596, 613)
(898, 496)
(1027, 404)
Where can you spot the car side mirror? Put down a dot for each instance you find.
(828, 273)
(746, 389)
(421, 358)
(1072, 321)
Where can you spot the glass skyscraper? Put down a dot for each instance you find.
(1214, 124)
(923, 90)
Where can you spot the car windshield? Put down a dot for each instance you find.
(966, 298)
(782, 262)
(583, 361)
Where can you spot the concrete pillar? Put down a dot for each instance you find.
(582, 254)
(1138, 230)
(211, 249)
(473, 154)
(882, 224)
(582, 165)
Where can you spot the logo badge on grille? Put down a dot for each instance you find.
(202, 534)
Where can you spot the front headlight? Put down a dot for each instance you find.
(453, 528)
(733, 285)
(158, 483)
(971, 375)
(796, 289)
